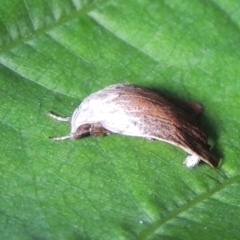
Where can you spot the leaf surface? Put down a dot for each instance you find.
(55, 53)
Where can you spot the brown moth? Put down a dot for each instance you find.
(138, 111)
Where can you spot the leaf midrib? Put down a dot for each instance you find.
(156, 225)
(32, 34)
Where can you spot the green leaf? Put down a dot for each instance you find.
(55, 53)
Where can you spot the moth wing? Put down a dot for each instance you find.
(160, 118)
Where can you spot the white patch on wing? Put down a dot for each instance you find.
(102, 108)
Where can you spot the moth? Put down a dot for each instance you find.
(133, 110)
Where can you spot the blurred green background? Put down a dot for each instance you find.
(54, 53)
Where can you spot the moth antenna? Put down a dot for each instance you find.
(60, 138)
(62, 119)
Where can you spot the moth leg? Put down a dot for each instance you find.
(60, 138)
(191, 161)
(82, 130)
(97, 129)
(62, 119)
